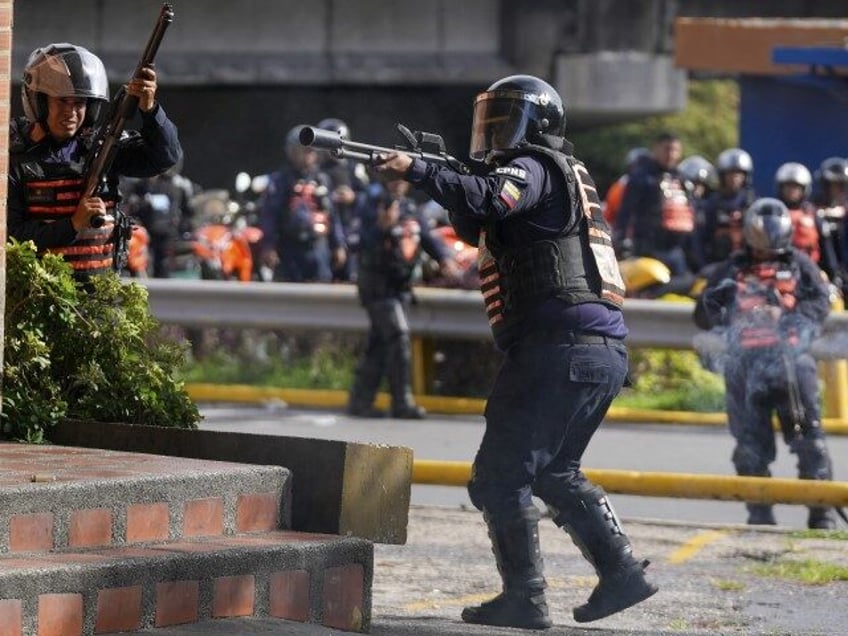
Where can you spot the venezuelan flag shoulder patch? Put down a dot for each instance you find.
(510, 194)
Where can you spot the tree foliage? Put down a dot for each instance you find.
(708, 125)
(87, 352)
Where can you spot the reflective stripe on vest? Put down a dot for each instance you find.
(612, 285)
(490, 281)
(53, 199)
(764, 292)
(513, 278)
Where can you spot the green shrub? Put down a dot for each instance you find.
(88, 352)
(265, 358)
(672, 380)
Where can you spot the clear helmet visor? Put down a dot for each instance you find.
(500, 123)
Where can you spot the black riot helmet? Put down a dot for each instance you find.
(697, 170)
(834, 169)
(513, 112)
(336, 125)
(63, 70)
(767, 226)
(794, 173)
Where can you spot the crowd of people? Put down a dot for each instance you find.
(688, 213)
(773, 265)
(549, 275)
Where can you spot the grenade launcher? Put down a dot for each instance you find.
(428, 147)
(105, 146)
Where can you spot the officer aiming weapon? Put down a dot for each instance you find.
(105, 146)
(428, 147)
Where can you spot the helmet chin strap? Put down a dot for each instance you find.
(561, 144)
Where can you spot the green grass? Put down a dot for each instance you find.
(292, 363)
(300, 374)
(727, 585)
(663, 380)
(808, 571)
(835, 535)
(692, 399)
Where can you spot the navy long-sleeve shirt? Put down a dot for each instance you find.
(145, 153)
(524, 201)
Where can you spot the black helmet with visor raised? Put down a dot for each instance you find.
(63, 70)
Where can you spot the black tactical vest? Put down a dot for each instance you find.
(578, 265)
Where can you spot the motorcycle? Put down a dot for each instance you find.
(223, 244)
(138, 252)
(650, 278)
(464, 256)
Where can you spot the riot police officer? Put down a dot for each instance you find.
(771, 300)
(162, 204)
(392, 236)
(64, 88)
(657, 217)
(793, 184)
(615, 193)
(302, 239)
(723, 210)
(831, 199)
(349, 180)
(553, 296)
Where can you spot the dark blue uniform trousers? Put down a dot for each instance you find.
(547, 401)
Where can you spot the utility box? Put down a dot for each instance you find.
(793, 78)
(800, 117)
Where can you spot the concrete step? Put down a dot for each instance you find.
(57, 497)
(305, 577)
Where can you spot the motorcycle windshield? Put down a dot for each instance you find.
(500, 122)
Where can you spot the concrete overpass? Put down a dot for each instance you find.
(237, 75)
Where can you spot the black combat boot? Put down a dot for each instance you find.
(399, 376)
(366, 379)
(592, 524)
(814, 463)
(760, 515)
(361, 410)
(515, 544)
(409, 412)
(821, 519)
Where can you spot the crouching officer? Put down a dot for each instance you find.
(64, 88)
(553, 296)
(772, 299)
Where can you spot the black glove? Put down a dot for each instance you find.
(720, 296)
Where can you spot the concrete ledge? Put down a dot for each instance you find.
(341, 488)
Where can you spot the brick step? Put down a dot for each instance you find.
(54, 497)
(310, 578)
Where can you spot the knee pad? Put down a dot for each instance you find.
(813, 458)
(748, 461)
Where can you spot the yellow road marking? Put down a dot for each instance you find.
(694, 545)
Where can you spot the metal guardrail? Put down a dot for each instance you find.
(676, 485)
(436, 312)
(459, 314)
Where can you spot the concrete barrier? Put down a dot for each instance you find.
(342, 488)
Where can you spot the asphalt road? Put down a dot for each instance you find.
(640, 447)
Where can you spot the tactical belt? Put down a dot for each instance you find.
(562, 336)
